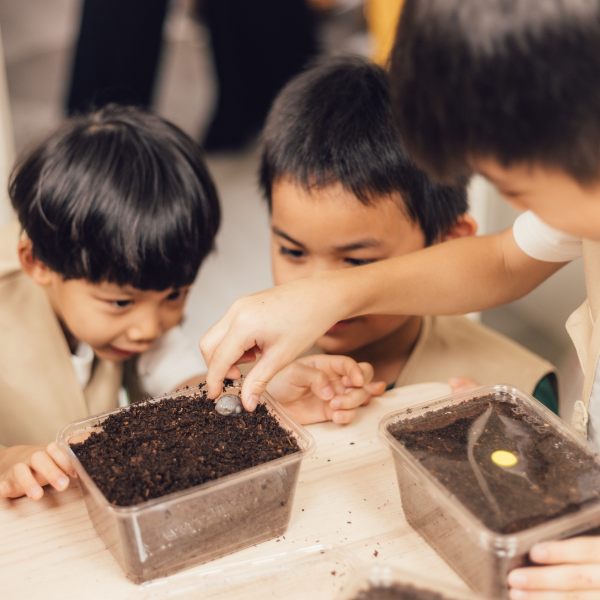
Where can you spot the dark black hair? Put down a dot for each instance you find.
(118, 195)
(514, 80)
(334, 123)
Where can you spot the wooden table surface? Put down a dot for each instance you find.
(347, 496)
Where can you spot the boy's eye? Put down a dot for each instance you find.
(291, 253)
(358, 262)
(122, 303)
(175, 295)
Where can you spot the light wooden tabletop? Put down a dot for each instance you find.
(347, 496)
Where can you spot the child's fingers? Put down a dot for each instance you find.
(584, 549)
(61, 459)
(462, 384)
(10, 489)
(45, 467)
(353, 398)
(539, 595)
(340, 367)
(556, 578)
(24, 477)
(343, 417)
(376, 388)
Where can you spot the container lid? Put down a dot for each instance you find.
(406, 584)
(318, 571)
(501, 460)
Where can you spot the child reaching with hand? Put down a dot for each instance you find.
(347, 195)
(116, 213)
(508, 89)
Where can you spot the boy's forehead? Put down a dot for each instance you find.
(287, 194)
(334, 218)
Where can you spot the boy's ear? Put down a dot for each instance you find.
(465, 227)
(34, 267)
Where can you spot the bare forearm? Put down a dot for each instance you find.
(457, 277)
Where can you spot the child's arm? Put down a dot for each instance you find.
(325, 388)
(456, 277)
(575, 571)
(25, 469)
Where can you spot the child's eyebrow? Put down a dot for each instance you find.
(366, 243)
(284, 235)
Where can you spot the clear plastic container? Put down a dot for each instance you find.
(317, 573)
(379, 579)
(165, 535)
(484, 544)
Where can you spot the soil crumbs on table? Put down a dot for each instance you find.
(398, 592)
(154, 449)
(552, 475)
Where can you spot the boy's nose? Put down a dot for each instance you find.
(145, 329)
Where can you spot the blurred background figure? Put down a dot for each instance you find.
(257, 46)
(212, 68)
(117, 52)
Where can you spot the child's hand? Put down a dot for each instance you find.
(462, 384)
(325, 388)
(25, 469)
(574, 576)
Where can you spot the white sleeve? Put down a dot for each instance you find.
(170, 361)
(542, 242)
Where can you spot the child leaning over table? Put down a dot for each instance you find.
(342, 193)
(508, 89)
(117, 212)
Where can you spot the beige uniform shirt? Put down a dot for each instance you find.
(458, 347)
(583, 329)
(39, 391)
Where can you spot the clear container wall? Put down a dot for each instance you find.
(480, 555)
(165, 535)
(316, 573)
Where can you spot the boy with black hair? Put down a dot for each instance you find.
(342, 193)
(509, 89)
(117, 212)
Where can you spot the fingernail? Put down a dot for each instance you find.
(346, 381)
(252, 402)
(518, 595)
(327, 393)
(337, 418)
(539, 553)
(62, 482)
(34, 493)
(517, 579)
(335, 404)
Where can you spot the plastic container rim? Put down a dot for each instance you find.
(552, 528)
(391, 574)
(94, 422)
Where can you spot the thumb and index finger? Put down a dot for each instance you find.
(222, 352)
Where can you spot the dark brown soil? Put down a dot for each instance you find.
(553, 476)
(398, 592)
(151, 450)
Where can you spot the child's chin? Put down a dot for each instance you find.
(332, 344)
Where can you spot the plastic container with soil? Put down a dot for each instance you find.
(486, 474)
(388, 583)
(220, 512)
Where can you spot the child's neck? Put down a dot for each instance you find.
(389, 354)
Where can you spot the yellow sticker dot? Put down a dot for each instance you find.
(504, 458)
